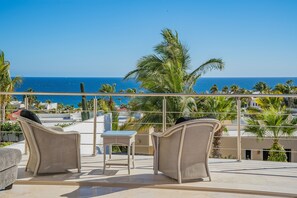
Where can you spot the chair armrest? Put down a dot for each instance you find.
(57, 128)
(70, 133)
(165, 134)
(157, 134)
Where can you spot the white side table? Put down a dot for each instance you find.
(126, 138)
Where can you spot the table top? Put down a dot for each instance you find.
(118, 134)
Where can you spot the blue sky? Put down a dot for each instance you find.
(104, 38)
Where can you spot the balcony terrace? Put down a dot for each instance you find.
(230, 177)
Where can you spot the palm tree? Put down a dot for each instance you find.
(31, 98)
(280, 87)
(244, 100)
(221, 108)
(225, 89)
(214, 89)
(276, 123)
(7, 84)
(131, 90)
(166, 72)
(273, 119)
(234, 88)
(267, 102)
(262, 87)
(107, 88)
(287, 88)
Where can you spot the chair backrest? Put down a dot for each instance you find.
(50, 150)
(34, 132)
(30, 128)
(216, 124)
(29, 136)
(35, 126)
(197, 140)
(193, 139)
(30, 115)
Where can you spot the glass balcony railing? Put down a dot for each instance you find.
(235, 142)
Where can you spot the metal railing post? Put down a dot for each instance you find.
(164, 114)
(26, 106)
(238, 130)
(26, 102)
(95, 127)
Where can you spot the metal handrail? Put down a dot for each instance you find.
(149, 94)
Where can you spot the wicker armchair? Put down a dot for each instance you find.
(182, 151)
(51, 150)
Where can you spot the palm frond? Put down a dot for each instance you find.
(212, 64)
(254, 127)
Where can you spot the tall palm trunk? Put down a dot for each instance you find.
(290, 102)
(2, 106)
(217, 143)
(3, 112)
(110, 103)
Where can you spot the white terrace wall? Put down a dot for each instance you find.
(86, 130)
(256, 146)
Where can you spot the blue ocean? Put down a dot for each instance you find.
(71, 84)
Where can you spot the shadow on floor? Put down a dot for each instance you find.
(101, 187)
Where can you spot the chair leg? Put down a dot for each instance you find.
(207, 171)
(104, 157)
(35, 172)
(129, 148)
(155, 166)
(179, 180)
(78, 165)
(8, 187)
(155, 163)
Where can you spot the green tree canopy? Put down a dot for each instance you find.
(262, 87)
(287, 88)
(272, 120)
(166, 71)
(214, 89)
(221, 108)
(7, 84)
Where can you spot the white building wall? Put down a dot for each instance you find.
(86, 130)
(256, 146)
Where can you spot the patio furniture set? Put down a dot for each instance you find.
(181, 152)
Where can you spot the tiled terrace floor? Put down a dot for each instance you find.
(229, 179)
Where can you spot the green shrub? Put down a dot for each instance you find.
(277, 153)
(3, 144)
(63, 124)
(116, 149)
(7, 126)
